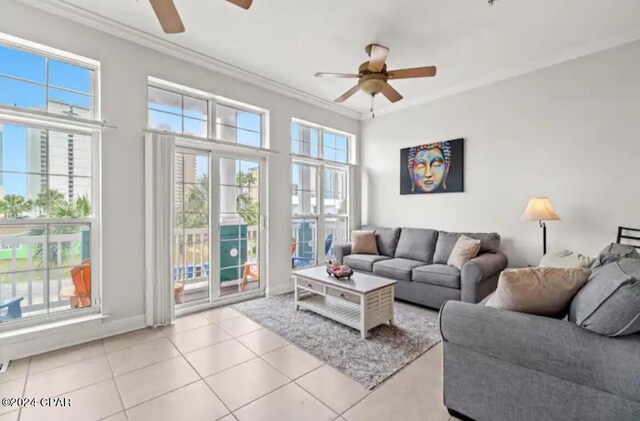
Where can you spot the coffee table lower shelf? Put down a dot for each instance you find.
(334, 308)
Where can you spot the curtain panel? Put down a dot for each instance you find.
(159, 188)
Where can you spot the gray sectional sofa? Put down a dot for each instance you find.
(417, 259)
(502, 365)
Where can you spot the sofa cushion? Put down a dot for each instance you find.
(489, 243)
(363, 261)
(399, 269)
(609, 304)
(437, 274)
(387, 239)
(615, 252)
(417, 244)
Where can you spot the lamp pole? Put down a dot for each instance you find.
(544, 237)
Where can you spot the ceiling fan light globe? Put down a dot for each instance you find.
(372, 84)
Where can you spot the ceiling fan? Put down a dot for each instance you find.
(373, 75)
(169, 17)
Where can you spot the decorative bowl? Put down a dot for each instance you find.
(340, 275)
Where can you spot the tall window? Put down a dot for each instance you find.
(319, 192)
(37, 81)
(47, 189)
(186, 111)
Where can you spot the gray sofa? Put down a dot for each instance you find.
(501, 365)
(417, 259)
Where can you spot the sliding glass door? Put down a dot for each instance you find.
(219, 197)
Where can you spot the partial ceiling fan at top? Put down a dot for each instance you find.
(169, 17)
(373, 75)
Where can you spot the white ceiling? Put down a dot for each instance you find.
(471, 42)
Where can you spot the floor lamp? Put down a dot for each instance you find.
(540, 209)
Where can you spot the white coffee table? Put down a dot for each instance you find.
(362, 302)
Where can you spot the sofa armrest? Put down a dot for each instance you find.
(341, 250)
(479, 276)
(557, 347)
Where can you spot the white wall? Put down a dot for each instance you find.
(125, 68)
(570, 132)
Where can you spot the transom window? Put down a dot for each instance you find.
(238, 125)
(186, 111)
(37, 81)
(320, 142)
(177, 112)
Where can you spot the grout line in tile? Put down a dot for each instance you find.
(202, 379)
(132, 345)
(144, 366)
(24, 386)
(113, 377)
(69, 363)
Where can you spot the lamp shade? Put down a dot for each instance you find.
(539, 209)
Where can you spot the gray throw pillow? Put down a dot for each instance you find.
(615, 252)
(609, 304)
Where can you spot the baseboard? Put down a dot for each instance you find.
(57, 338)
(280, 289)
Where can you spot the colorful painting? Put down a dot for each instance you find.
(432, 168)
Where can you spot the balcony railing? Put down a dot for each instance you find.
(21, 276)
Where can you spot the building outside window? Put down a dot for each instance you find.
(47, 186)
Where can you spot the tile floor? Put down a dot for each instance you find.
(214, 365)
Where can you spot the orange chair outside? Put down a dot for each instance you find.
(250, 269)
(81, 276)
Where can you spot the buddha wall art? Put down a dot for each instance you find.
(432, 168)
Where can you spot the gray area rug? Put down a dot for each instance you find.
(370, 361)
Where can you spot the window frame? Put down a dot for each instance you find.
(212, 113)
(50, 121)
(351, 139)
(49, 53)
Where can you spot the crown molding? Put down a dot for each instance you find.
(120, 30)
(565, 56)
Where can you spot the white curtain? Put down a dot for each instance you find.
(159, 162)
(355, 196)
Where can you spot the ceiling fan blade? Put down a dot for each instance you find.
(415, 72)
(168, 16)
(378, 55)
(329, 74)
(348, 94)
(245, 4)
(391, 94)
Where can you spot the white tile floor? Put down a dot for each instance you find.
(215, 365)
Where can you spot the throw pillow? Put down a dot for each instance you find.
(541, 291)
(615, 252)
(363, 242)
(609, 304)
(561, 258)
(466, 248)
